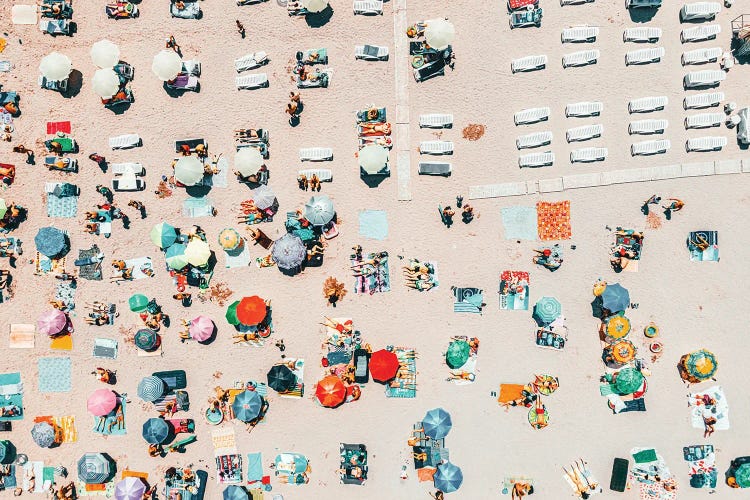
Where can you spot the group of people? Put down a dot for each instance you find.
(627, 247)
(419, 275)
(305, 183)
(101, 313)
(294, 108)
(467, 213)
(549, 257)
(14, 215)
(675, 205)
(153, 316)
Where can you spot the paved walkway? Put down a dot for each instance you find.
(401, 52)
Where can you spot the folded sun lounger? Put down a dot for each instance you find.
(700, 33)
(587, 155)
(701, 56)
(646, 148)
(534, 140)
(583, 109)
(436, 148)
(704, 78)
(528, 63)
(254, 81)
(125, 141)
(368, 7)
(436, 120)
(641, 34)
(706, 100)
(580, 58)
(646, 127)
(647, 104)
(371, 52)
(533, 160)
(578, 34)
(531, 115)
(644, 56)
(250, 61)
(584, 133)
(435, 168)
(699, 10)
(704, 120)
(315, 154)
(712, 143)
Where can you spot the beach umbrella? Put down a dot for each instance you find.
(314, 6)
(373, 158)
(130, 488)
(201, 328)
(615, 298)
(51, 242)
(138, 302)
(437, 423)
(188, 170)
(102, 402)
(175, 256)
(458, 353)
(618, 326)
(246, 405)
(43, 434)
(251, 310)
(155, 430)
(742, 475)
(383, 365)
(288, 251)
(448, 477)
(547, 310)
(95, 468)
(247, 161)
(229, 239)
(281, 378)
(622, 352)
(330, 391)
(105, 83)
(700, 365)
(439, 33)
(146, 339)
(197, 252)
(263, 197)
(55, 66)
(151, 388)
(7, 452)
(105, 54)
(319, 210)
(234, 492)
(166, 65)
(163, 235)
(628, 380)
(52, 322)
(231, 314)
(3, 208)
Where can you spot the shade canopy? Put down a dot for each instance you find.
(251, 310)
(439, 33)
(234, 492)
(457, 354)
(197, 252)
(151, 388)
(163, 235)
(628, 380)
(155, 430)
(247, 405)
(247, 161)
(52, 322)
(314, 6)
(547, 310)
(621, 352)
(281, 378)
(188, 170)
(102, 402)
(699, 365)
(229, 239)
(383, 365)
(437, 423)
(330, 391)
(319, 210)
(138, 302)
(43, 434)
(105, 83)
(263, 197)
(105, 54)
(448, 477)
(288, 251)
(373, 158)
(166, 65)
(95, 468)
(146, 339)
(55, 66)
(615, 298)
(201, 328)
(175, 256)
(51, 242)
(130, 488)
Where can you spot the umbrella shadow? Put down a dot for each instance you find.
(75, 82)
(198, 191)
(211, 338)
(373, 181)
(319, 19)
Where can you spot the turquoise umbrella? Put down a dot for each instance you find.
(448, 477)
(547, 310)
(175, 256)
(138, 302)
(163, 235)
(247, 405)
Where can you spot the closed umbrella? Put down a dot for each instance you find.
(742, 475)
(251, 310)
(95, 468)
(105, 83)
(615, 298)
(458, 353)
(229, 239)
(263, 197)
(52, 322)
(437, 423)
(628, 380)
(163, 235)
(138, 302)
(188, 170)
(247, 161)
(43, 434)
(330, 391)
(383, 365)
(151, 388)
(197, 252)
(315, 6)
(319, 210)
(234, 492)
(146, 339)
(246, 405)
(166, 65)
(547, 310)
(130, 488)
(175, 256)
(102, 402)
(288, 251)
(373, 158)
(155, 430)
(55, 66)
(439, 33)
(51, 242)
(201, 328)
(105, 54)
(448, 477)
(281, 378)
(7, 452)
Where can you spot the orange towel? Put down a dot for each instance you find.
(510, 392)
(96, 487)
(553, 220)
(132, 473)
(45, 418)
(426, 474)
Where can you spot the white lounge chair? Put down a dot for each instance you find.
(705, 100)
(584, 133)
(587, 155)
(436, 120)
(435, 168)
(646, 148)
(701, 56)
(648, 104)
(315, 154)
(641, 34)
(436, 148)
(578, 34)
(534, 140)
(703, 144)
(368, 7)
(253, 81)
(534, 160)
(647, 127)
(704, 120)
(127, 168)
(644, 56)
(125, 141)
(563, 3)
(700, 33)
(580, 58)
(371, 52)
(699, 10)
(324, 174)
(531, 115)
(528, 63)
(705, 78)
(250, 61)
(584, 109)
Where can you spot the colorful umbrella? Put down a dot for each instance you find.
(383, 365)
(700, 365)
(95, 468)
(251, 310)
(330, 391)
(105, 54)
(188, 170)
(373, 158)
(175, 256)
(742, 475)
(163, 235)
(155, 430)
(247, 405)
(547, 310)
(55, 66)
(51, 242)
(437, 423)
(615, 298)
(102, 402)
(231, 314)
(43, 434)
(167, 65)
(130, 488)
(234, 492)
(151, 388)
(247, 161)
(263, 197)
(628, 380)
(105, 83)
(315, 6)
(319, 210)
(617, 327)
(458, 353)
(229, 239)
(448, 477)
(439, 33)
(52, 322)
(622, 352)
(138, 302)
(281, 378)
(201, 328)
(197, 252)
(146, 339)
(288, 252)
(7, 452)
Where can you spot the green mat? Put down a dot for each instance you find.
(645, 456)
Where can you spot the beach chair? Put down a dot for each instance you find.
(61, 164)
(320, 80)
(375, 140)
(371, 52)
(55, 27)
(580, 58)
(184, 82)
(699, 10)
(250, 61)
(254, 81)
(584, 133)
(126, 183)
(701, 56)
(66, 9)
(380, 118)
(706, 100)
(534, 160)
(436, 148)
(641, 34)
(56, 85)
(528, 17)
(704, 78)
(435, 168)
(125, 141)
(584, 109)
(191, 143)
(436, 120)
(644, 56)
(431, 70)
(313, 56)
(324, 174)
(125, 71)
(704, 144)
(579, 34)
(368, 7)
(315, 154)
(534, 140)
(588, 155)
(700, 33)
(704, 120)
(125, 168)
(647, 127)
(191, 67)
(646, 148)
(563, 3)
(192, 10)
(528, 63)
(531, 115)
(647, 104)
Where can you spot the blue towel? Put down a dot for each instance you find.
(468, 300)
(254, 467)
(373, 224)
(520, 223)
(54, 374)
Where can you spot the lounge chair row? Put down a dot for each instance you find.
(699, 10)
(704, 78)
(701, 56)
(125, 141)
(642, 34)
(644, 56)
(315, 154)
(436, 148)
(578, 109)
(536, 62)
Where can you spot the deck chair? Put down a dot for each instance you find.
(584, 109)
(580, 58)
(528, 63)
(125, 141)
(534, 140)
(706, 100)
(431, 70)
(644, 56)
(315, 154)
(191, 143)
(579, 34)
(699, 10)
(646, 148)
(368, 7)
(641, 35)
(69, 164)
(250, 61)
(588, 155)
(531, 115)
(534, 160)
(700, 33)
(254, 81)
(436, 120)
(324, 174)
(55, 26)
(647, 127)
(584, 133)
(321, 80)
(313, 56)
(128, 182)
(704, 78)
(435, 168)
(563, 3)
(125, 168)
(56, 85)
(381, 117)
(704, 120)
(371, 52)
(701, 56)
(436, 148)
(703, 144)
(647, 104)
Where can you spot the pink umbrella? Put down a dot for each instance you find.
(201, 328)
(52, 322)
(102, 402)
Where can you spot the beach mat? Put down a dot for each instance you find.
(468, 300)
(373, 224)
(22, 336)
(553, 220)
(54, 374)
(510, 298)
(378, 281)
(115, 429)
(136, 264)
(68, 426)
(105, 348)
(90, 271)
(66, 292)
(406, 385)
(241, 259)
(197, 207)
(61, 206)
(520, 223)
(710, 254)
(62, 342)
(174, 379)
(218, 180)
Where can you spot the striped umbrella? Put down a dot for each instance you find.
(163, 235)
(319, 210)
(43, 434)
(699, 365)
(150, 388)
(95, 468)
(175, 256)
(146, 339)
(246, 405)
(102, 402)
(547, 310)
(617, 327)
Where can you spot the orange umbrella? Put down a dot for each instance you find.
(623, 352)
(251, 310)
(331, 391)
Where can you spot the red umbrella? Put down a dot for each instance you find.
(331, 391)
(251, 310)
(102, 402)
(383, 365)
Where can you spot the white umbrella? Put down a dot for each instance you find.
(315, 5)
(167, 64)
(247, 161)
(105, 54)
(319, 210)
(263, 197)
(55, 66)
(439, 33)
(105, 83)
(373, 158)
(188, 170)
(197, 252)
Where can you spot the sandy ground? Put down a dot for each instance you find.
(696, 305)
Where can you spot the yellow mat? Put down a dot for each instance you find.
(62, 343)
(68, 426)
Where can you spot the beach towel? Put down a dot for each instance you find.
(36, 470)
(175, 380)
(60, 206)
(254, 469)
(373, 224)
(520, 223)
(137, 264)
(105, 348)
(132, 473)
(11, 395)
(110, 426)
(699, 410)
(9, 481)
(54, 374)
(468, 300)
(710, 254)
(466, 373)
(54, 127)
(68, 426)
(701, 465)
(241, 259)
(224, 441)
(404, 386)
(553, 220)
(22, 336)
(299, 387)
(510, 392)
(514, 290)
(62, 342)
(376, 279)
(66, 292)
(218, 180)
(95, 490)
(197, 207)
(159, 351)
(426, 474)
(91, 272)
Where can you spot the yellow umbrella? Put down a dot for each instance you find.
(229, 239)
(618, 327)
(197, 252)
(623, 352)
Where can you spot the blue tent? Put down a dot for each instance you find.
(247, 405)
(448, 478)
(437, 423)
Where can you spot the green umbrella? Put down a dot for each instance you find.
(138, 302)
(547, 310)
(742, 476)
(7, 452)
(628, 380)
(701, 365)
(175, 255)
(231, 314)
(146, 339)
(458, 353)
(163, 235)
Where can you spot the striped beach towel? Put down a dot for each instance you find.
(468, 300)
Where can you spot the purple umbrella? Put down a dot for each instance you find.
(130, 488)
(52, 322)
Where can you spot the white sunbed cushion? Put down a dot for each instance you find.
(641, 34)
(584, 109)
(531, 115)
(23, 14)
(579, 34)
(436, 120)
(705, 100)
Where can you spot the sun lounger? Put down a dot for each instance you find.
(56, 85)
(368, 7)
(531, 115)
(55, 26)
(313, 56)
(646, 148)
(362, 116)
(644, 56)
(254, 81)
(584, 109)
(701, 56)
(192, 10)
(125, 168)
(588, 155)
(704, 120)
(191, 143)
(528, 63)
(436, 148)
(699, 10)
(584, 133)
(705, 78)
(250, 61)
(578, 34)
(533, 160)
(435, 168)
(5, 66)
(713, 143)
(706, 100)
(431, 70)
(125, 141)
(315, 154)
(324, 174)
(128, 182)
(646, 127)
(375, 140)
(436, 120)
(534, 140)
(61, 164)
(371, 52)
(647, 104)
(580, 58)
(320, 81)
(563, 3)
(700, 33)
(641, 34)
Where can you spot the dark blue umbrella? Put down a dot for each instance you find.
(7, 452)
(234, 492)
(247, 405)
(155, 430)
(615, 298)
(51, 242)
(281, 379)
(437, 423)
(448, 477)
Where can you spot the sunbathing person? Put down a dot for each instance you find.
(249, 133)
(520, 490)
(383, 141)
(380, 128)
(266, 261)
(420, 284)
(375, 261)
(315, 183)
(9, 171)
(55, 9)
(245, 337)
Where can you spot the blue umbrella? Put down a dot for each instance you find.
(437, 423)
(155, 430)
(288, 251)
(615, 298)
(247, 405)
(234, 492)
(43, 434)
(448, 477)
(51, 242)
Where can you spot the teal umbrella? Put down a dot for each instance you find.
(234, 492)
(138, 302)
(458, 353)
(231, 314)
(175, 255)
(247, 405)
(163, 235)
(146, 339)
(628, 380)
(742, 476)
(615, 298)
(547, 310)
(95, 468)
(155, 430)
(7, 452)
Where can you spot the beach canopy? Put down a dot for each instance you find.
(150, 388)
(247, 405)
(43, 434)
(234, 492)
(189, 170)
(51, 242)
(105, 83)
(439, 33)
(437, 423)
(197, 252)
(163, 235)
(250, 310)
(383, 365)
(146, 339)
(628, 380)
(281, 378)
(742, 475)
(373, 158)
(95, 468)
(314, 6)
(102, 402)
(55, 66)
(615, 298)
(247, 161)
(319, 210)
(699, 366)
(166, 65)
(175, 256)
(229, 239)
(547, 310)
(448, 477)
(7, 452)
(288, 251)
(138, 302)
(130, 488)
(330, 391)
(105, 54)
(263, 197)
(52, 322)
(618, 326)
(201, 328)
(155, 430)
(458, 354)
